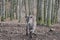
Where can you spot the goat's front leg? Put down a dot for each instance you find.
(27, 29)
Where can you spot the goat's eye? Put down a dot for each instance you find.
(30, 17)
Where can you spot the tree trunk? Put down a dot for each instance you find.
(52, 14)
(11, 11)
(49, 12)
(20, 9)
(45, 11)
(3, 10)
(57, 7)
(16, 9)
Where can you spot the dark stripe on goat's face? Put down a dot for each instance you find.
(27, 19)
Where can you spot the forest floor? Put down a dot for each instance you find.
(17, 32)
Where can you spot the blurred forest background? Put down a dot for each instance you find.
(46, 12)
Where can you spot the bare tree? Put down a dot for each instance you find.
(3, 10)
